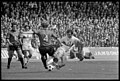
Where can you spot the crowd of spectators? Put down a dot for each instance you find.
(94, 23)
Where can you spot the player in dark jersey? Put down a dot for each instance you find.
(46, 46)
(14, 45)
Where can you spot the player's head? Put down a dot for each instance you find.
(27, 28)
(44, 25)
(69, 33)
(14, 25)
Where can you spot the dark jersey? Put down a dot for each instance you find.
(45, 37)
(13, 36)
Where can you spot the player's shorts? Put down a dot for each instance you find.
(26, 47)
(13, 48)
(47, 49)
(60, 52)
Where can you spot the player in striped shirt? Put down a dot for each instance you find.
(26, 37)
(13, 39)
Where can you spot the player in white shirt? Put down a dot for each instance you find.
(26, 37)
(73, 45)
(69, 43)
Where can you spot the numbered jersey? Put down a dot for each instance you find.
(45, 37)
(27, 37)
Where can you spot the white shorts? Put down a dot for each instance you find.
(26, 47)
(60, 52)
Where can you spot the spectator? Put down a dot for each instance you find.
(88, 19)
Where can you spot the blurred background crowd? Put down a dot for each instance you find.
(96, 24)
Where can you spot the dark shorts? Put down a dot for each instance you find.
(46, 49)
(13, 48)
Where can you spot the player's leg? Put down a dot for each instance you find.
(80, 55)
(72, 55)
(25, 58)
(25, 48)
(44, 60)
(43, 53)
(88, 55)
(51, 52)
(19, 52)
(63, 61)
(63, 57)
(30, 53)
(59, 58)
(15, 55)
(10, 55)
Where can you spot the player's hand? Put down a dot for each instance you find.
(34, 43)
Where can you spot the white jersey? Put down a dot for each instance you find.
(26, 39)
(68, 42)
(27, 36)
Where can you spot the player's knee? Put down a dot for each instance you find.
(55, 60)
(19, 56)
(30, 56)
(25, 56)
(43, 58)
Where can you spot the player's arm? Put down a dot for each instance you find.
(63, 43)
(74, 44)
(79, 44)
(20, 38)
(7, 39)
(34, 43)
(56, 38)
(33, 40)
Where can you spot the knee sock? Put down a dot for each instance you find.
(9, 61)
(30, 56)
(44, 62)
(22, 62)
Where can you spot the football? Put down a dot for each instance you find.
(50, 67)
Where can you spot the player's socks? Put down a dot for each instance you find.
(25, 66)
(60, 66)
(44, 62)
(93, 57)
(22, 62)
(8, 66)
(9, 61)
(26, 60)
(81, 59)
(29, 56)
